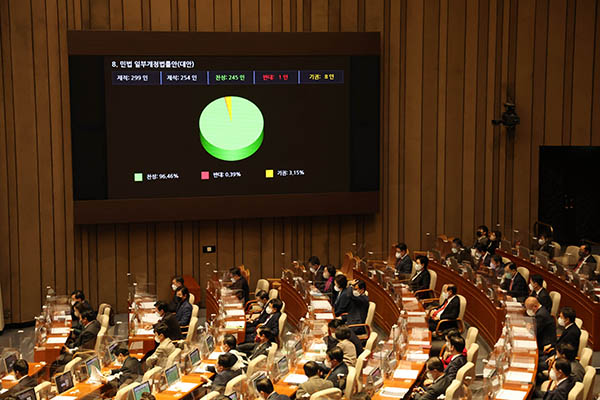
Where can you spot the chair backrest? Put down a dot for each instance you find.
(262, 284)
(471, 338)
(124, 391)
(588, 382)
(556, 247)
(271, 354)
(327, 394)
(524, 273)
(466, 372)
(555, 297)
(597, 258)
(577, 392)
(586, 357)
(370, 314)
(104, 319)
(231, 385)
(360, 363)
(472, 353)
(100, 337)
(195, 310)
(282, 321)
(452, 390)
(210, 396)
(463, 306)
(583, 341)
(192, 299)
(571, 255)
(150, 373)
(579, 322)
(350, 382)
(101, 308)
(173, 357)
(44, 386)
(254, 363)
(432, 279)
(371, 341)
(273, 294)
(72, 364)
(282, 306)
(189, 337)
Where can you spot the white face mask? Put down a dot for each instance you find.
(337, 289)
(326, 275)
(418, 267)
(561, 321)
(156, 339)
(531, 287)
(430, 376)
(541, 241)
(356, 293)
(398, 254)
(173, 286)
(531, 313)
(552, 375)
(269, 310)
(443, 296)
(492, 265)
(327, 363)
(455, 250)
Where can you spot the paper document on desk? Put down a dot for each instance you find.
(201, 368)
(215, 355)
(9, 377)
(150, 318)
(415, 320)
(235, 313)
(64, 317)
(147, 304)
(57, 340)
(60, 331)
(514, 376)
(406, 374)
(417, 356)
(318, 347)
(234, 324)
(513, 304)
(3, 391)
(321, 305)
(419, 342)
(324, 316)
(60, 397)
(416, 313)
(142, 331)
(522, 364)
(525, 344)
(182, 387)
(521, 331)
(295, 379)
(505, 394)
(396, 392)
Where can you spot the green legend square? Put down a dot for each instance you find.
(138, 177)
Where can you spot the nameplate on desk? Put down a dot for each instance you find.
(505, 394)
(415, 320)
(324, 316)
(57, 340)
(525, 344)
(3, 391)
(419, 343)
(513, 304)
(524, 365)
(235, 313)
(234, 324)
(406, 374)
(514, 376)
(416, 313)
(234, 305)
(60, 331)
(9, 377)
(396, 392)
(64, 317)
(295, 379)
(318, 347)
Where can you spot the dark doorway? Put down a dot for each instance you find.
(569, 197)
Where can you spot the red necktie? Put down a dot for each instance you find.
(441, 309)
(511, 283)
(581, 262)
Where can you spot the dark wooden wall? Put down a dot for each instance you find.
(448, 65)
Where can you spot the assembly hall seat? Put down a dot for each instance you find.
(123, 393)
(234, 384)
(211, 396)
(327, 394)
(577, 392)
(589, 380)
(555, 297)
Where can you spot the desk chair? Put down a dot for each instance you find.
(371, 341)
(350, 382)
(211, 396)
(579, 322)
(123, 393)
(192, 299)
(524, 273)
(253, 365)
(472, 334)
(273, 294)
(233, 384)
(583, 342)
(191, 332)
(452, 391)
(327, 394)
(43, 387)
(597, 258)
(459, 321)
(360, 364)
(586, 357)
(588, 382)
(262, 284)
(431, 290)
(435, 301)
(570, 257)
(71, 364)
(368, 325)
(282, 321)
(472, 353)
(271, 355)
(150, 373)
(577, 392)
(282, 306)
(173, 357)
(101, 311)
(555, 297)
(466, 373)
(195, 310)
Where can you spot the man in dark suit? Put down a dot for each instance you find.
(457, 358)
(481, 234)
(459, 253)
(77, 297)
(240, 284)
(562, 382)
(24, 381)
(545, 244)
(544, 324)
(265, 388)
(497, 265)
(314, 266)
(272, 321)
(482, 256)
(449, 309)
(403, 261)
(184, 308)
(514, 283)
(421, 278)
(169, 319)
(130, 369)
(568, 352)
(335, 368)
(586, 264)
(538, 291)
(494, 242)
(265, 338)
(331, 341)
(343, 301)
(87, 339)
(359, 306)
(440, 381)
(224, 373)
(571, 332)
(176, 283)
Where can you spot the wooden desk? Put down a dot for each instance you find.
(295, 306)
(212, 307)
(36, 369)
(48, 352)
(83, 389)
(586, 309)
(173, 395)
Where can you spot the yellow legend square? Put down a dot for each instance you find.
(268, 173)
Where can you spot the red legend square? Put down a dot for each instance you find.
(204, 175)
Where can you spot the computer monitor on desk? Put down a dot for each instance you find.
(9, 361)
(64, 382)
(27, 394)
(93, 362)
(141, 389)
(172, 375)
(282, 368)
(255, 378)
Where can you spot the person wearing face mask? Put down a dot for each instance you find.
(265, 389)
(314, 266)
(481, 235)
(258, 321)
(265, 337)
(456, 347)
(514, 283)
(494, 242)
(224, 373)
(331, 340)
(314, 383)
(458, 251)
(164, 349)
(562, 382)
(440, 381)
(586, 264)
(482, 256)
(253, 309)
(359, 307)
(536, 289)
(448, 310)
(421, 278)
(343, 301)
(274, 313)
(79, 309)
(326, 286)
(184, 308)
(176, 283)
(77, 297)
(447, 354)
(496, 265)
(403, 261)
(544, 324)
(544, 243)
(168, 318)
(342, 334)
(571, 332)
(230, 347)
(240, 284)
(24, 381)
(335, 368)
(130, 369)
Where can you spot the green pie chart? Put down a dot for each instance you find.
(231, 128)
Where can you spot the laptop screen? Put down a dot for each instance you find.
(282, 365)
(194, 357)
(64, 382)
(111, 349)
(141, 388)
(9, 362)
(172, 374)
(93, 362)
(28, 394)
(210, 343)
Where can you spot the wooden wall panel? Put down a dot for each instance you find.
(447, 68)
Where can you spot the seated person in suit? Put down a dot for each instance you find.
(313, 264)
(359, 306)
(164, 349)
(403, 261)
(545, 325)
(130, 369)
(85, 341)
(331, 340)
(571, 332)
(240, 284)
(78, 298)
(439, 381)
(421, 278)
(328, 283)
(265, 338)
(497, 265)
(265, 388)
(568, 352)
(24, 381)
(482, 256)
(446, 356)
(537, 290)
(254, 310)
(457, 358)
(314, 383)
(169, 319)
(78, 309)
(494, 243)
(273, 310)
(562, 382)
(481, 235)
(449, 309)
(230, 346)
(184, 308)
(459, 252)
(544, 243)
(176, 283)
(342, 334)
(335, 368)
(224, 373)
(342, 302)
(514, 283)
(586, 265)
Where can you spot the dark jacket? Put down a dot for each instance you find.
(260, 349)
(87, 339)
(544, 299)
(587, 268)
(332, 375)
(174, 330)
(404, 265)
(519, 289)
(485, 260)
(241, 285)
(451, 312)
(277, 396)
(27, 382)
(359, 307)
(272, 322)
(342, 302)
(492, 246)
(437, 388)
(545, 328)
(130, 370)
(184, 313)
(570, 335)
(561, 392)
(420, 280)
(220, 380)
(331, 342)
(462, 255)
(454, 366)
(577, 371)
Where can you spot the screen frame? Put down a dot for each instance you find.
(19, 395)
(56, 378)
(120, 43)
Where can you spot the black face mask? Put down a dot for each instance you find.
(479, 234)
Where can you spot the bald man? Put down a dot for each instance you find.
(545, 325)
